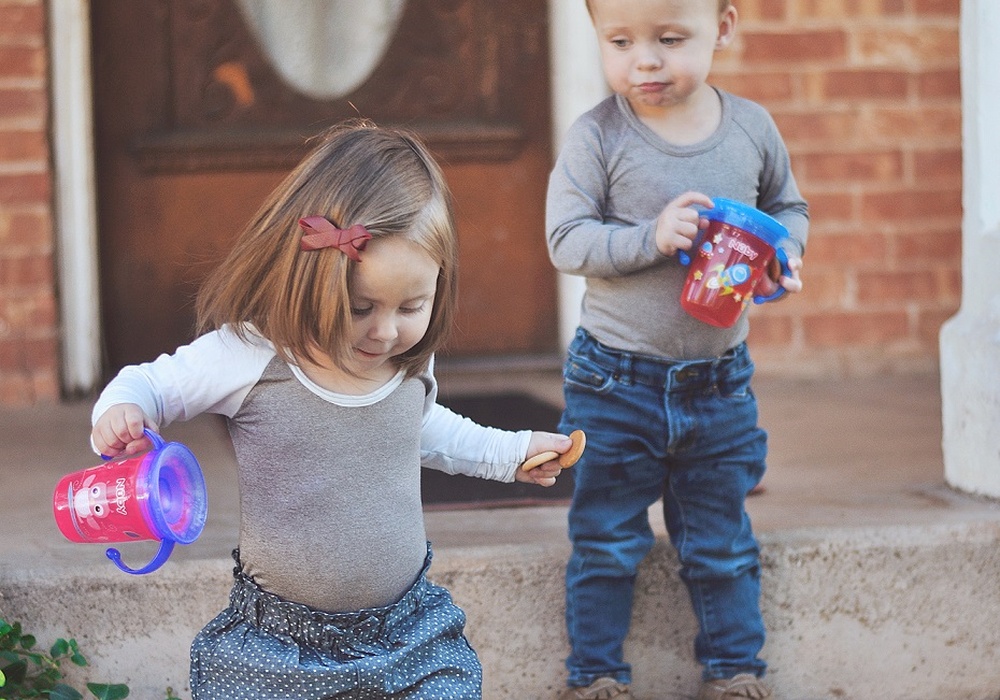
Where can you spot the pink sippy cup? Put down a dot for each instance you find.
(159, 496)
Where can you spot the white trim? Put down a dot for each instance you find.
(75, 194)
(577, 85)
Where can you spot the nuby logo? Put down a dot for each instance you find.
(742, 248)
(121, 496)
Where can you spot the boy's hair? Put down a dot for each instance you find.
(723, 4)
(359, 173)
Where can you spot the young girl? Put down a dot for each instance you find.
(319, 333)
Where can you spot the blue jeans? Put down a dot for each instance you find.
(685, 432)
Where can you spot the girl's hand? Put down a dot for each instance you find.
(678, 224)
(769, 283)
(545, 474)
(119, 431)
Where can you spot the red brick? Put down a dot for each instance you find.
(865, 84)
(908, 47)
(854, 329)
(944, 83)
(31, 146)
(929, 322)
(25, 271)
(823, 287)
(933, 287)
(903, 207)
(22, 62)
(828, 125)
(827, 208)
(848, 9)
(946, 8)
(944, 247)
(762, 87)
(791, 47)
(21, 20)
(25, 229)
(938, 165)
(864, 249)
(17, 103)
(853, 166)
(939, 124)
(25, 188)
(762, 10)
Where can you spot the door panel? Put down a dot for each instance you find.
(194, 128)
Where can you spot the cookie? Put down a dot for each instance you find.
(566, 460)
(570, 457)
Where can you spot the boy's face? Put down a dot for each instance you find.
(657, 53)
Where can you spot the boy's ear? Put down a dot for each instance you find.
(727, 28)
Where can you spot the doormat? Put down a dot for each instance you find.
(510, 411)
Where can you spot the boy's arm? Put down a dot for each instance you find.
(580, 239)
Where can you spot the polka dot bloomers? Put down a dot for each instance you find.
(263, 646)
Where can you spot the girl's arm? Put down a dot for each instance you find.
(213, 374)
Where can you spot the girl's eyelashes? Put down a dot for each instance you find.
(356, 311)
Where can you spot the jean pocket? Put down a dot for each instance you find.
(736, 382)
(582, 374)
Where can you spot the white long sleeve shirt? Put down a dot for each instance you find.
(329, 483)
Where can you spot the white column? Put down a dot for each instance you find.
(970, 341)
(75, 198)
(577, 85)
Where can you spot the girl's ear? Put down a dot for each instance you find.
(727, 28)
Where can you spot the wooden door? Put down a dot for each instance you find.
(194, 127)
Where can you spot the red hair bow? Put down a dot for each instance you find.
(320, 233)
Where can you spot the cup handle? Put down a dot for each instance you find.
(782, 257)
(153, 438)
(684, 256)
(162, 554)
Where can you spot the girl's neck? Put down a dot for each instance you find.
(327, 375)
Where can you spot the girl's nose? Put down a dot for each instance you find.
(383, 328)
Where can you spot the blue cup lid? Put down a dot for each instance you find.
(751, 220)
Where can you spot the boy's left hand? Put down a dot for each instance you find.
(544, 474)
(770, 282)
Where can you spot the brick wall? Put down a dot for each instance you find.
(867, 96)
(29, 338)
(866, 93)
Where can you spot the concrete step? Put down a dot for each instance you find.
(899, 613)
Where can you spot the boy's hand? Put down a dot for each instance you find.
(678, 224)
(545, 474)
(119, 431)
(769, 283)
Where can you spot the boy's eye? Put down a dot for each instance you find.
(360, 312)
(670, 40)
(620, 43)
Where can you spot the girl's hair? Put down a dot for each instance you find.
(359, 173)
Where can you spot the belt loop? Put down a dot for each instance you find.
(624, 374)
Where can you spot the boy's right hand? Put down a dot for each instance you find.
(679, 223)
(119, 431)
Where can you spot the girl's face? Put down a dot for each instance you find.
(392, 294)
(658, 53)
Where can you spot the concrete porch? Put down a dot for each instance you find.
(880, 582)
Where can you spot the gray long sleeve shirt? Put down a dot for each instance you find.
(611, 181)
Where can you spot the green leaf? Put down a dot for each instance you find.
(64, 692)
(27, 641)
(103, 691)
(60, 648)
